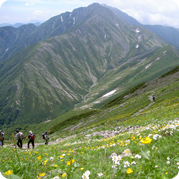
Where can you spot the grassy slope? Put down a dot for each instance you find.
(73, 156)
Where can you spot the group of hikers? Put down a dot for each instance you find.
(19, 137)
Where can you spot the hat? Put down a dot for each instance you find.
(30, 132)
(17, 130)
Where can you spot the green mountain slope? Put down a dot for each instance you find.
(48, 78)
(10, 37)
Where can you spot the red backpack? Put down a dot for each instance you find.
(32, 136)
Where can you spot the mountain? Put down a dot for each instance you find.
(169, 34)
(11, 36)
(86, 54)
(52, 27)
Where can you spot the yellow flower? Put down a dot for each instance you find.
(9, 172)
(46, 153)
(55, 166)
(41, 174)
(82, 168)
(73, 160)
(45, 162)
(61, 156)
(39, 158)
(36, 152)
(146, 140)
(64, 175)
(129, 170)
(69, 163)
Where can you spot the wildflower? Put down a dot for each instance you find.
(168, 162)
(137, 156)
(82, 168)
(39, 158)
(146, 140)
(133, 163)
(156, 166)
(56, 177)
(45, 162)
(129, 170)
(9, 172)
(86, 175)
(64, 175)
(100, 174)
(156, 136)
(73, 160)
(69, 163)
(126, 164)
(41, 174)
(55, 166)
(168, 158)
(51, 158)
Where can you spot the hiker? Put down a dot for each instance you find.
(31, 137)
(19, 137)
(1, 138)
(45, 136)
(153, 97)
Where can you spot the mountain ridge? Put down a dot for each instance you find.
(48, 78)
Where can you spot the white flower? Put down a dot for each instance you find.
(56, 177)
(51, 158)
(126, 164)
(156, 136)
(86, 175)
(168, 158)
(100, 174)
(177, 163)
(168, 162)
(119, 157)
(133, 163)
(156, 166)
(137, 156)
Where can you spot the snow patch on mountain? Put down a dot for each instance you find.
(109, 94)
(61, 19)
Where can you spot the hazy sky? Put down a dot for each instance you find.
(163, 12)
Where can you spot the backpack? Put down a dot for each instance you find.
(43, 136)
(21, 135)
(32, 136)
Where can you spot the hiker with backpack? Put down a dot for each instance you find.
(153, 97)
(45, 136)
(31, 137)
(19, 136)
(1, 138)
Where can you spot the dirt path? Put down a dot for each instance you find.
(151, 99)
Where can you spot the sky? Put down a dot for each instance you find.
(153, 12)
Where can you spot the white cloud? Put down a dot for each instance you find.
(1, 2)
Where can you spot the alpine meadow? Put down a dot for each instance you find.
(89, 78)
